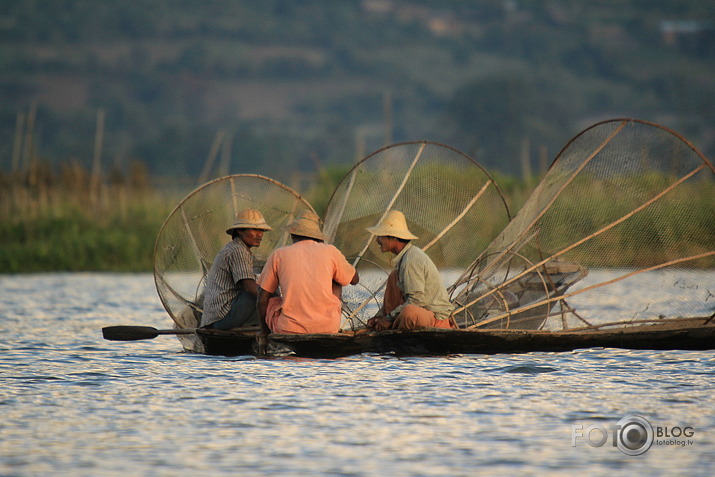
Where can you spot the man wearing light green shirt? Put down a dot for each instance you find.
(415, 296)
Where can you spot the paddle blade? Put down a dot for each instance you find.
(129, 333)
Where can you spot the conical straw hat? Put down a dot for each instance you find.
(392, 225)
(307, 225)
(249, 219)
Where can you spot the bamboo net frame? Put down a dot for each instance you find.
(448, 200)
(194, 232)
(657, 181)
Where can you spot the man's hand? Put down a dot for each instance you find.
(379, 323)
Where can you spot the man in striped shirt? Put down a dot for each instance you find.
(230, 293)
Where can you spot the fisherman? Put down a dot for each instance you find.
(311, 275)
(415, 296)
(230, 293)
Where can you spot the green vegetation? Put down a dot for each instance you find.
(62, 222)
(298, 91)
(297, 86)
(70, 239)
(66, 223)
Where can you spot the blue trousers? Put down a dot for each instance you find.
(242, 313)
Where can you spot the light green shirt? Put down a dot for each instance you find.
(420, 283)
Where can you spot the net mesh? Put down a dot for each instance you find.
(450, 202)
(625, 204)
(195, 231)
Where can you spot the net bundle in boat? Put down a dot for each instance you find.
(195, 231)
(449, 201)
(626, 205)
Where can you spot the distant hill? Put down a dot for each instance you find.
(282, 88)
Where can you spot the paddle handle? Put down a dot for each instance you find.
(133, 333)
(180, 331)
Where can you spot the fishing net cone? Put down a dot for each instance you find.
(195, 231)
(626, 203)
(449, 201)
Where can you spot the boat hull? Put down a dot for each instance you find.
(692, 335)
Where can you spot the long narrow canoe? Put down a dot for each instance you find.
(691, 334)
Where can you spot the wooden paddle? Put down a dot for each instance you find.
(133, 333)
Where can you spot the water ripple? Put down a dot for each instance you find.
(74, 404)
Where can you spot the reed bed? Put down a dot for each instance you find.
(74, 220)
(70, 222)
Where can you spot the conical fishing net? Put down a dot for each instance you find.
(195, 231)
(450, 202)
(626, 204)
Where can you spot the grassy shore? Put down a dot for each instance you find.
(70, 222)
(72, 239)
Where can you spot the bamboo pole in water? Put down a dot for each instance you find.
(525, 159)
(218, 139)
(95, 178)
(387, 108)
(17, 144)
(225, 164)
(29, 151)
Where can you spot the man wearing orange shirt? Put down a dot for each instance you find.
(310, 275)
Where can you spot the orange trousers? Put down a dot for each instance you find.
(412, 316)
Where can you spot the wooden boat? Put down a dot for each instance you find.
(683, 334)
(526, 290)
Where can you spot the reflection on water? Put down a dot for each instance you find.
(74, 404)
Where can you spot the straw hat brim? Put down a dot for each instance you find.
(303, 232)
(384, 231)
(244, 225)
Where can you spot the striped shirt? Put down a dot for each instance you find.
(420, 283)
(233, 263)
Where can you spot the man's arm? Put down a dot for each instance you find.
(411, 277)
(262, 335)
(249, 285)
(262, 306)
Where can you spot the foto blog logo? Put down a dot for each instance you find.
(632, 435)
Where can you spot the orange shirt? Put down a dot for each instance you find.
(305, 272)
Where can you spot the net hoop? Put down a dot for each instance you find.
(195, 230)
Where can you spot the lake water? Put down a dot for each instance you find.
(75, 404)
